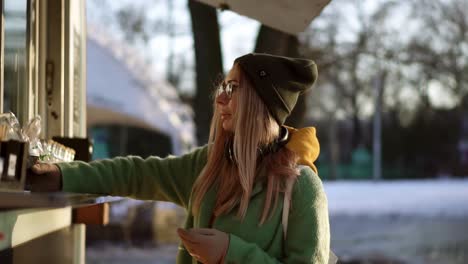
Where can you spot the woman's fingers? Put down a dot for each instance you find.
(194, 255)
(189, 244)
(44, 177)
(207, 245)
(41, 168)
(203, 231)
(187, 236)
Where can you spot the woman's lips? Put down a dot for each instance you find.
(225, 116)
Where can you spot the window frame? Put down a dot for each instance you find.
(49, 87)
(2, 36)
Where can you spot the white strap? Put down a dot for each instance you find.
(286, 204)
(287, 201)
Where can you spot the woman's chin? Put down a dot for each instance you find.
(227, 125)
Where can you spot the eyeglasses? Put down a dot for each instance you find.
(228, 88)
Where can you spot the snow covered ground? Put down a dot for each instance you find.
(412, 221)
(440, 197)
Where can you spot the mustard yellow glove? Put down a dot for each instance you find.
(207, 245)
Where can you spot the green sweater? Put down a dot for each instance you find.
(171, 179)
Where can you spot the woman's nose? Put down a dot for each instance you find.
(222, 98)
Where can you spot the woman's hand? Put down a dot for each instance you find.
(207, 245)
(44, 177)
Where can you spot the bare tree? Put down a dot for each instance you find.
(348, 65)
(440, 47)
(344, 73)
(209, 64)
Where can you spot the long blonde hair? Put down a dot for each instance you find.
(254, 127)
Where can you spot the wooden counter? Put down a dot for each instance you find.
(42, 227)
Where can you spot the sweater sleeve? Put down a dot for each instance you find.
(308, 237)
(164, 179)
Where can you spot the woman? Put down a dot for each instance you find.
(232, 188)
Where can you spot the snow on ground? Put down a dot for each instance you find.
(431, 198)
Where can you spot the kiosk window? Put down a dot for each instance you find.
(15, 55)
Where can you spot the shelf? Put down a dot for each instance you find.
(26, 199)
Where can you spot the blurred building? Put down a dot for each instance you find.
(130, 109)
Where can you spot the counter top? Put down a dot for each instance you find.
(27, 199)
(25, 216)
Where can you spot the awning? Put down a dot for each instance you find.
(290, 16)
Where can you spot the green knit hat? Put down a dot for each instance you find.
(278, 80)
